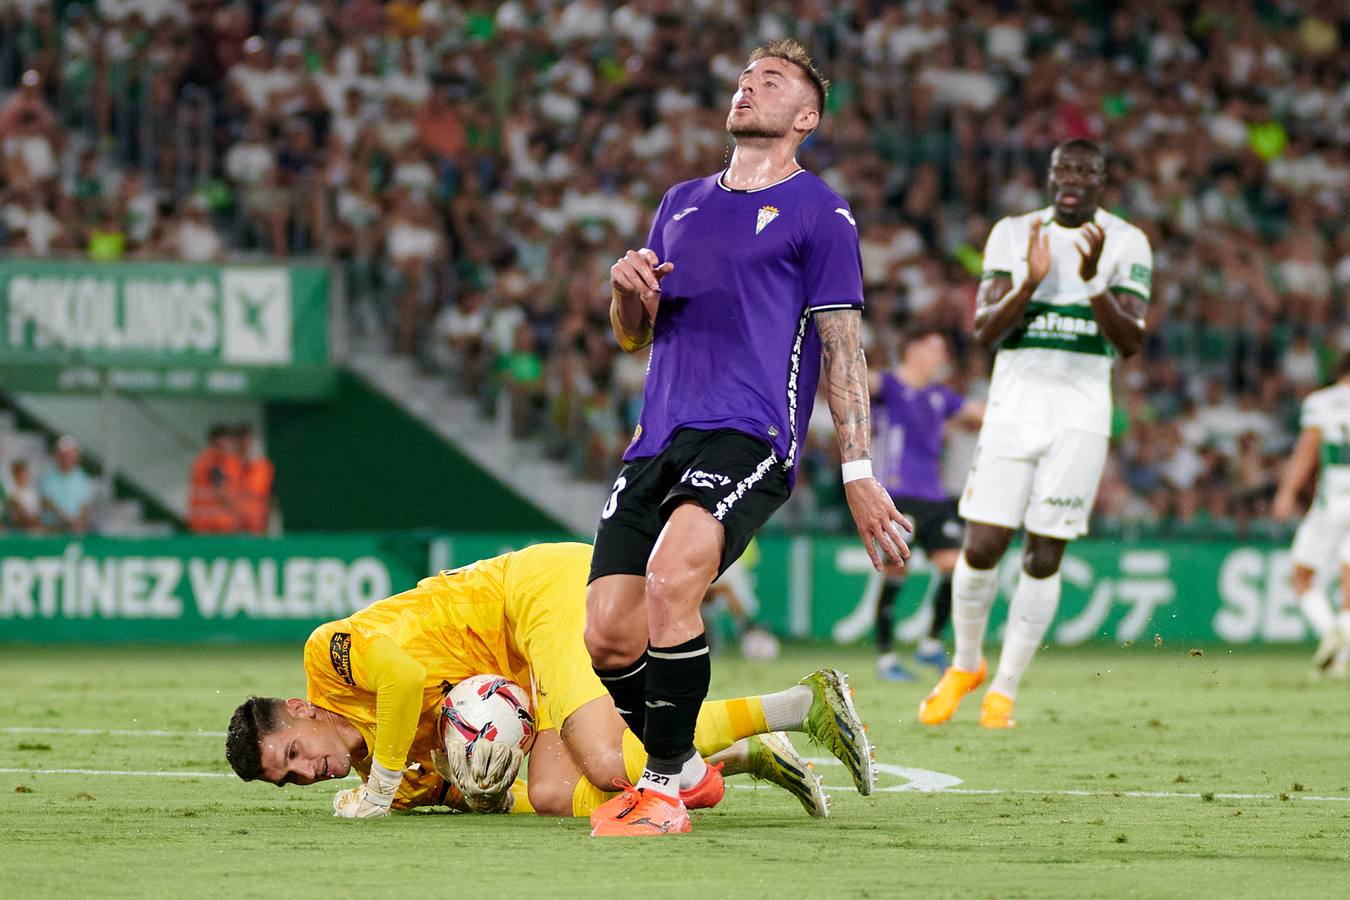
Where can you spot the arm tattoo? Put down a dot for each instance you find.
(844, 373)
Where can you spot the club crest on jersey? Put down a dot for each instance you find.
(766, 215)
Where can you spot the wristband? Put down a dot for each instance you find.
(859, 468)
(382, 785)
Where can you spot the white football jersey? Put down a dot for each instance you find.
(1328, 410)
(1056, 369)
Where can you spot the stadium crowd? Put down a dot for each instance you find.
(477, 166)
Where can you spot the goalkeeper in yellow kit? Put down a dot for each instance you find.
(375, 681)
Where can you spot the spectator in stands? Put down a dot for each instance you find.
(22, 507)
(256, 478)
(214, 485)
(66, 491)
(536, 131)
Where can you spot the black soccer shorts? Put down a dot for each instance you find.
(937, 524)
(735, 477)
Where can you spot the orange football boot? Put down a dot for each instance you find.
(654, 813)
(996, 711)
(940, 704)
(708, 792)
(615, 805)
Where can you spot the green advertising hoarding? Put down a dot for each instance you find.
(165, 328)
(237, 589)
(195, 589)
(824, 589)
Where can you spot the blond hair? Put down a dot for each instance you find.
(795, 53)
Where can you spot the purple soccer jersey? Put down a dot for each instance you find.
(734, 344)
(908, 440)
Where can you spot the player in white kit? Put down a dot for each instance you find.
(1063, 293)
(1322, 542)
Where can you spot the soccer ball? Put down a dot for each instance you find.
(759, 645)
(489, 708)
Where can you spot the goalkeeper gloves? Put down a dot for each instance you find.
(372, 799)
(485, 778)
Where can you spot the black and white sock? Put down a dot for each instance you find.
(677, 683)
(628, 686)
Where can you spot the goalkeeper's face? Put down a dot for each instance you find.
(305, 748)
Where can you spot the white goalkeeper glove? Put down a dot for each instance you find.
(484, 779)
(372, 799)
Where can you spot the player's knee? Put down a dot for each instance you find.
(673, 587)
(550, 798)
(603, 769)
(1041, 559)
(982, 554)
(1301, 579)
(611, 647)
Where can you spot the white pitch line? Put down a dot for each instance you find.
(918, 781)
(112, 732)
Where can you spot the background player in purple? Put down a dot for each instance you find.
(911, 422)
(750, 286)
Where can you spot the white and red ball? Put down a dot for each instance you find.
(487, 708)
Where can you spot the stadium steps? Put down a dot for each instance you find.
(521, 464)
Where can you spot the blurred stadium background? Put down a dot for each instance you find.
(378, 235)
(301, 300)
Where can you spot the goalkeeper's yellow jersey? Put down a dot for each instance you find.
(386, 668)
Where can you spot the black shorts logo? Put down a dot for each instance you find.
(340, 652)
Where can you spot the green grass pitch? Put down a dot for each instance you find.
(1118, 782)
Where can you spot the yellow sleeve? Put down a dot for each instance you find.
(382, 666)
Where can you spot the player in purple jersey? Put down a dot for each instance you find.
(750, 286)
(907, 445)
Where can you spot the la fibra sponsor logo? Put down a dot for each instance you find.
(1050, 324)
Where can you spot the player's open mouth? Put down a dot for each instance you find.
(744, 104)
(325, 767)
(1069, 199)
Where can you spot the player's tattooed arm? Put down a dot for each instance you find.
(844, 374)
(1119, 314)
(999, 306)
(635, 290)
(844, 371)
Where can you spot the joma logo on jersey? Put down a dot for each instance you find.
(766, 215)
(1049, 324)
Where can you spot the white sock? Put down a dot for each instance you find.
(972, 594)
(694, 771)
(1343, 620)
(691, 773)
(1029, 616)
(1317, 610)
(886, 660)
(930, 645)
(786, 710)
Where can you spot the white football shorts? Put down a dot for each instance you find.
(1043, 479)
(1322, 541)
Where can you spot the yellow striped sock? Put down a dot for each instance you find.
(586, 797)
(722, 723)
